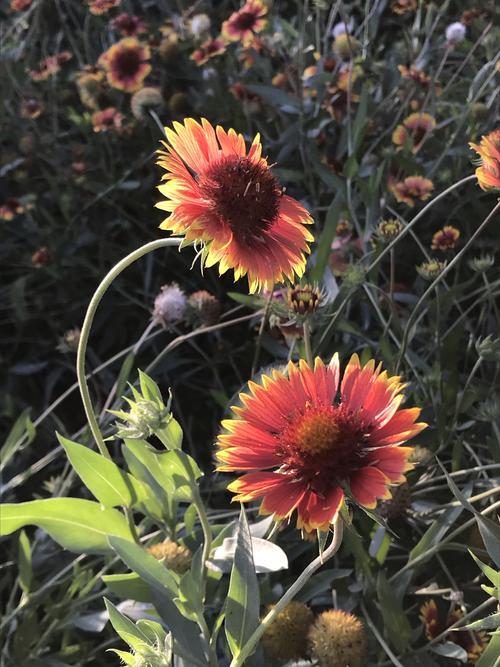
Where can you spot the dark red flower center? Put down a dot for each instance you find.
(127, 63)
(244, 195)
(323, 445)
(245, 21)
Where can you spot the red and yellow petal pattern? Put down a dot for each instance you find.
(488, 173)
(301, 448)
(226, 197)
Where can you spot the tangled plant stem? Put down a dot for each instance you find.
(87, 325)
(437, 280)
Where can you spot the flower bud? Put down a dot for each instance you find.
(304, 300)
(144, 419)
(431, 270)
(482, 264)
(145, 99)
(489, 348)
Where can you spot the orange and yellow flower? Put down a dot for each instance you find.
(128, 25)
(488, 173)
(302, 450)
(10, 208)
(229, 199)
(435, 623)
(414, 130)
(108, 119)
(20, 5)
(126, 64)
(50, 66)
(209, 49)
(404, 6)
(411, 188)
(243, 24)
(99, 7)
(412, 73)
(446, 238)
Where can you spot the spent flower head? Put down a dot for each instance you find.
(170, 305)
(286, 637)
(388, 230)
(338, 638)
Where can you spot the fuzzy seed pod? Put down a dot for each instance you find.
(175, 556)
(338, 639)
(286, 638)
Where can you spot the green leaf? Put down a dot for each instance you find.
(106, 481)
(150, 390)
(126, 629)
(24, 562)
(436, 531)
(22, 433)
(490, 531)
(488, 571)
(164, 586)
(128, 586)
(488, 623)
(182, 470)
(82, 526)
(327, 235)
(171, 434)
(243, 600)
(491, 656)
(275, 96)
(396, 622)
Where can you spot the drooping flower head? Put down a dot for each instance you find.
(413, 130)
(488, 173)
(126, 64)
(302, 450)
(226, 197)
(412, 188)
(337, 639)
(446, 238)
(128, 25)
(209, 49)
(243, 24)
(108, 119)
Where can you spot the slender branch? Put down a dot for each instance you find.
(307, 343)
(298, 584)
(437, 280)
(87, 325)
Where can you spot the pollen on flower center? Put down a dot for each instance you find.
(244, 194)
(317, 431)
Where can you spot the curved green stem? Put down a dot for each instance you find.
(298, 584)
(307, 343)
(87, 325)
(437, 280)
(205, 525)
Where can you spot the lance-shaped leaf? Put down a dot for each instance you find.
(106, 481)
(164, 587)
(243, 601)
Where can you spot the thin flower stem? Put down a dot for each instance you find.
(412, 222)
(298, 584)
(435, 282)
(307, 343)
(87, 325)
(379, 637)
(205, 525)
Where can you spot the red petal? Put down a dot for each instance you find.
(368, 485)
